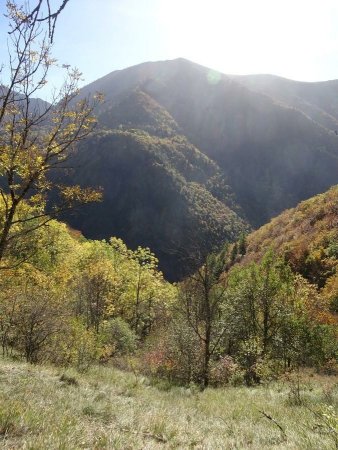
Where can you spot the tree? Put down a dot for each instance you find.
(147, 287)
(95, 283)
(258, 297)
(36, 137)
(242, 244)
(34, 311)
(200, 300)
(42, 12)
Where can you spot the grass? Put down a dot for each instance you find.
(48, 408)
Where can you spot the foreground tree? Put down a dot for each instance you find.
(258, 298)
(200, 305)
(42, 12)
(36, 137)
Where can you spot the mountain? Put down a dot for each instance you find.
(273, 154)
(159, 189)
(318, 101)
(188, 157)
(36, 105)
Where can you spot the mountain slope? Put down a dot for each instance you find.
(273, 154)
(158, 192)
(184, 151)
(319, 100)
(307, 236)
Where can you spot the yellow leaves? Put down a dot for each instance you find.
(118, 245)
(311, 303)
(75, 74)
(119, 278)
(110, 310)
(99, 97)
(75, 286)
(71, 114)
(77, 194)
(15, 13)
(38, 200)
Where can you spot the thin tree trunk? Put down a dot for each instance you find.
(5, 230)
(206, 357)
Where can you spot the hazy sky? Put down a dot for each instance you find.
(297, 39)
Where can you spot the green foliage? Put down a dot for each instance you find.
(76, 301)
(250, 324)
(258, 296)
(242, 244)
(77, 347)
(120, 337)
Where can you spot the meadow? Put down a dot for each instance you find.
(44, 407)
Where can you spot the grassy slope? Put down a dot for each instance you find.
(114, 410)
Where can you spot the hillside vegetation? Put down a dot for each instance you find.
(307, 236)
(74, 302)
(217, 360)
(97, 348)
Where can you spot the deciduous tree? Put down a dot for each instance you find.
(200, 300)
(36, 137)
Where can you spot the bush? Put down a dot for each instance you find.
(77, 347)
(222, 371)
(173, 353)
(237, 379)
(248, 356)
(118, 334)
(267, 369)
(330, 367)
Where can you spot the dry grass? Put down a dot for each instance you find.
(45, 408)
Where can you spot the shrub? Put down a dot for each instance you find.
(330, 367)
(118, 334)
(248, 356)
(222, 371)
(77, 347)
(173, 353)
(267, 369)
(237, 378)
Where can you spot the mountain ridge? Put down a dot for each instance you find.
(269, 151)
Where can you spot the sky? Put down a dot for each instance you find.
(296, 39)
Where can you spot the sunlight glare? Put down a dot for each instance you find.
(234, 35)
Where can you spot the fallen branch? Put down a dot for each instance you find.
(275, 422)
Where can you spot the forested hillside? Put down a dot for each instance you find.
(159, 190)
(258, 145)
(63, 298)
(307, 237)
